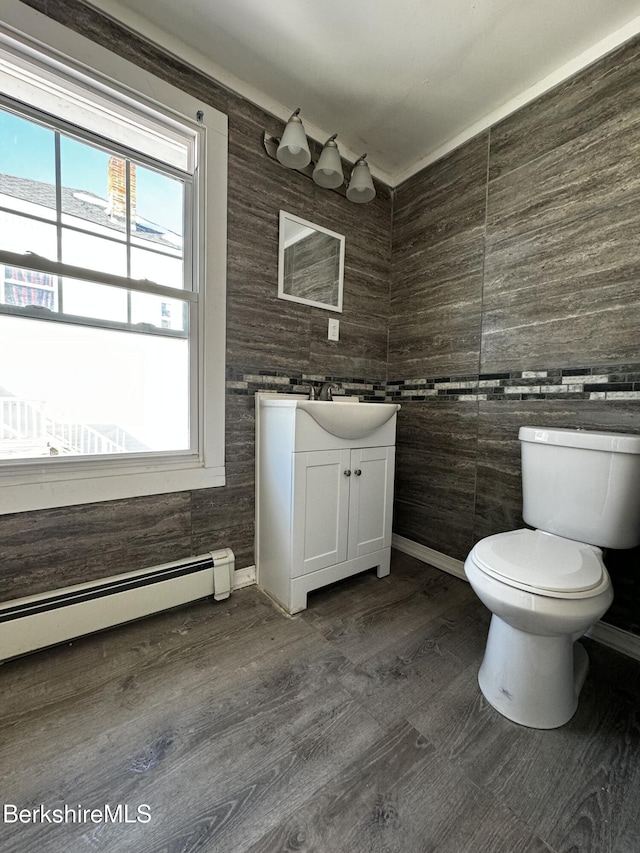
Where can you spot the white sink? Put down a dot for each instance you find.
(348, 420)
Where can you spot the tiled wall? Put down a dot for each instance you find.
(270, 342)
(515, 300)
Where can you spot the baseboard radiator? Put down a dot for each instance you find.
(46, 619)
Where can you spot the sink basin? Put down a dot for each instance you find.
(348, 420)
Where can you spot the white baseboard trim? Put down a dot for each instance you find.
(429, 555)
(244, 577)
(615, 638)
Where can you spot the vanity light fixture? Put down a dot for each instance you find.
(361, 187)
(292, 151)
(328, 171)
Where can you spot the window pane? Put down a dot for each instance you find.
(94, 253)
(97, 301)
(21, 234)
(159, 268)
(159, 206)
(27, 287)
(159, 311)
(71, 390)
(27, 166)
(91, 197)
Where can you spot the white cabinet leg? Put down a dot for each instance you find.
(298, 600)
(385, 565)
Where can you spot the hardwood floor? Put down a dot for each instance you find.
(355, 727)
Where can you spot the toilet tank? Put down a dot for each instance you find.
(581, 484)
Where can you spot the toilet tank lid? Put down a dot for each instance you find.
(611, 442)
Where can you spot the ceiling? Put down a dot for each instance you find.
(403, 80)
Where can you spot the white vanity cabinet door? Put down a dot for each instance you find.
(320, 510)
(342, 506)
(370, 501)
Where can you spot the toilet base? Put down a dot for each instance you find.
(533, 680)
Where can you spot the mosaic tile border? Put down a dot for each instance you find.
(605, 383)
(248, 382)
(613, 382)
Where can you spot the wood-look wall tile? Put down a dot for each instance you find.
(38, 5)
(435, 475)
(33, 572)
(276, 339)
(443, 200)
(438, 273)
(52, 548)
(240, 437)
(499, 484)
(104, 524)
(442, 531)
(220, 509)
(441, 429)
(572, 328)
(446, 487)
(595, 170)
(252, 271)
(239, 537)
(360, 352)
(599, 94)
(594, 249)
(435, 316)
(443, 342)
(563, 295)
(366, 283)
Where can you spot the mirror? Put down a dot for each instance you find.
(310, 264)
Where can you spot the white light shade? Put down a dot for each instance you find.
(328, 170)
(293, 151)
(361, 187)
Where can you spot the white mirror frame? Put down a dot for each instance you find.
(298, 227)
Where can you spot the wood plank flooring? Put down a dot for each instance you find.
(354, 727)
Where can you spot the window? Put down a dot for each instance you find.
(112, 215)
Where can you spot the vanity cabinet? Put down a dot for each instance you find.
(324, 502)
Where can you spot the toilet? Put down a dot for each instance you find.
(546, 586)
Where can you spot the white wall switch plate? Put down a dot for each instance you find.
(334, 330)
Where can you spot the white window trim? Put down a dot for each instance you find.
(89, 481)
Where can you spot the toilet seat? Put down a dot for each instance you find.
(542, 563)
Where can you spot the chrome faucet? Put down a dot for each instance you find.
(327, 391)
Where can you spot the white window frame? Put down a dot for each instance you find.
(25, 487)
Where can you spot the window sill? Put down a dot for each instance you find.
(95, 483)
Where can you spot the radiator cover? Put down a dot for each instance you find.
(45, 619)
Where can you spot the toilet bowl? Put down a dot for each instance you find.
(547, 585)
(544, 592)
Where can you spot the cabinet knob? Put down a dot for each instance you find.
(347, 473)
(357, 472)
